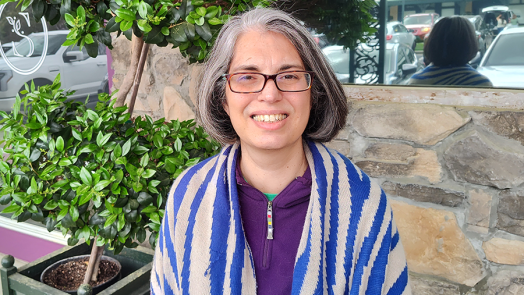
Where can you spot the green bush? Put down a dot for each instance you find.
(92, 173)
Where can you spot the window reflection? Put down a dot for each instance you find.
(23, 50)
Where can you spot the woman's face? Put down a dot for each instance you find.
(288, 112)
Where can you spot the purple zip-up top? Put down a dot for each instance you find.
(274, 259)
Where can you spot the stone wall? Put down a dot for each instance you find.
(451, 161)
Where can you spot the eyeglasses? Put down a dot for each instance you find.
(292, 81)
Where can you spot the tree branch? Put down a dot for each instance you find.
(138, 77)
(131, 72)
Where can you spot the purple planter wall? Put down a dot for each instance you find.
(25, 247)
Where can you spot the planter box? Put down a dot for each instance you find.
(136, 271)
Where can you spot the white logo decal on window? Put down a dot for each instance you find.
(29, 46)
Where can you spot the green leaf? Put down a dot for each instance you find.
(86, 177)
(211, 12)
(89, 38)
(149, 209)
(121, 222)
(126, 147)
(102, 140)
(33, 125)
(73, 211)
(117, 151)
(144, 25)
(148, 173)
(101, 185)
(50, 205)
(81, 13)
(110, 220)
(204, 31)
(178, 33)
(60, 183)
(35, 154)
(144, 199)
(112, 25)
(201, 11)
(11, 208)
(178, 144)
(87, 149)
(70, 20)
(125, 25)
(165, 31)
(143, 8)
(125, 14)
(60, 143)
(144, 160)
(76, 134)
(200, 21)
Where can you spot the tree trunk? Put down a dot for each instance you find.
(94, 263)
(131, 71)
(138, 77)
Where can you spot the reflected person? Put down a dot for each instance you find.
(276, 211)
(450, 46)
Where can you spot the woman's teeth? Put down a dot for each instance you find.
(269, 118)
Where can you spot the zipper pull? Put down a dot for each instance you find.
(269, 220)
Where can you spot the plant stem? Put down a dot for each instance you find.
(94, 263)
(138, 77)
(131, 71)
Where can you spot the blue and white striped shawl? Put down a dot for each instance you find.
(349, 244)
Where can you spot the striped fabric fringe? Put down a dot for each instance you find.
(460, 76)
(349, 244)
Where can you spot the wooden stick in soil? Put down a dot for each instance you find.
(94, 260)
(138, 77)
(127, 83)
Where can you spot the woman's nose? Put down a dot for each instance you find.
(270, 93)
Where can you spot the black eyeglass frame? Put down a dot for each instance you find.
(269, 77)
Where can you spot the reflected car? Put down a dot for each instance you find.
(400, 63)
(396, 32)
(420, 24)
(503, 63)
(79, 72)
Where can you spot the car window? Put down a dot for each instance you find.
(23, 48)
(507, 51)
(402, 29)
(401, 59)
(396, 29)
(418, 20)
(410, 55)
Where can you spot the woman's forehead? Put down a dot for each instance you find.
(259, 48)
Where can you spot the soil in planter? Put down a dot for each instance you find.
(70, 275)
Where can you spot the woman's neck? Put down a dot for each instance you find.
(270, 171)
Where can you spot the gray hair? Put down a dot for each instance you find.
(328, 102)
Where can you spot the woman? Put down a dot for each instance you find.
(450, 46)
(276, 212)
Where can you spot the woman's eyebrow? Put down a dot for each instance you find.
(255, 68)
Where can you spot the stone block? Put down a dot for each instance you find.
(435, 244)
(175, 106)
(423, 124)
(430, 286)
(167, 66)
(425, 164)
(507, 124)
(422, 193)
(390, 152)
(480, 209)
(506, 282)
(504, 251)
(511, 212)
(196, 71)
(486, 159)
(343, 134)
(339, 145)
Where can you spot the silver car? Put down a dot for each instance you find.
(400, 64)
(78, 71)
(396, 32)
(503, 63)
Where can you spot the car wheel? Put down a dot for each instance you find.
(38, 83)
